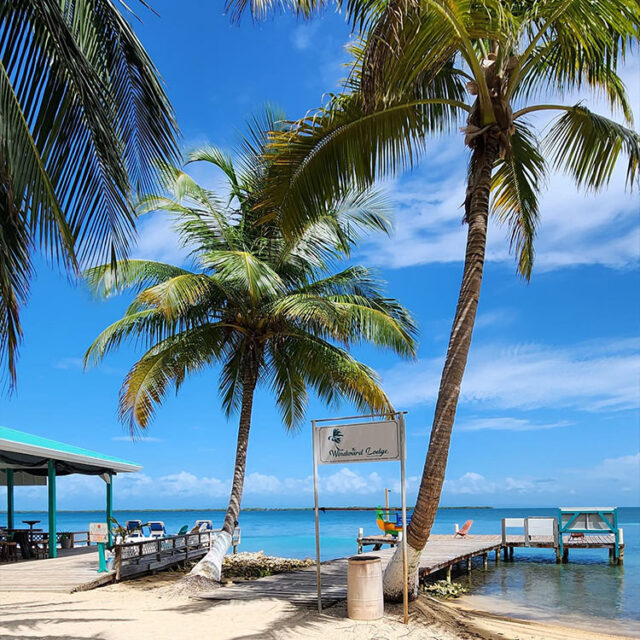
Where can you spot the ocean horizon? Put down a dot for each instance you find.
(588, 590)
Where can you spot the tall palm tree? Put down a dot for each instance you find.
(83, 115)
(267, 310)
(423, 68)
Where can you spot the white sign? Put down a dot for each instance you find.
(98, 532)
(362, 442)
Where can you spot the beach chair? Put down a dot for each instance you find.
(465, 529)
(399, 519)
(183, 529)
(157, 529)
(208, 525)
(134, 529)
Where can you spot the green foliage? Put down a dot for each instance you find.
(83, 118)
(261, 304)
(409, 62)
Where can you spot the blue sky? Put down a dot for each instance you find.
(549, 406)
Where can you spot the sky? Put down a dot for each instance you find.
(548, 411)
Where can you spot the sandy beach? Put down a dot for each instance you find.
(148, 608)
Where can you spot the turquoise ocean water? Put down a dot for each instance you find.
(533, 585)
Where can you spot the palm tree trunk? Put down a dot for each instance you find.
(477, 213)
(210, 566)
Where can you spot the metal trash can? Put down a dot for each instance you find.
(365, 599)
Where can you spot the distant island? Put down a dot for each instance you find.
(353, 508)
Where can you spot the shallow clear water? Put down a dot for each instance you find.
(588, 586)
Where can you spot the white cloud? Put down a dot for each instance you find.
(69, 363)
(591, 376)
(575, 229)
(612, 475)
(302, 36)
(496, 318)
(157, 240)
(508, 424)
(624, 472)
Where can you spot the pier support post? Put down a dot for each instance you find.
(497, 556)
(511, 553)
(10, 511)
(558, 555)
(485, 561)
(449, 573)
(109, 507)
(51, 490)
(565, 555)
(506, 554)
(468, 565)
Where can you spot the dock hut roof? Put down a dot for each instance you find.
(30, 454)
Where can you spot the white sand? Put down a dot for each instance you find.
(145, 609)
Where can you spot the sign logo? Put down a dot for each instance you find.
(336, 437)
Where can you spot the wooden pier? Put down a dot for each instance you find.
(441, 552)
(77, 570)
(137, 558)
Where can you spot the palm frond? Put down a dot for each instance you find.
(175, 296)
(167, 363)
(516, 183)
(587, 146)
(246, 272)
(340, 148)
(106, 280)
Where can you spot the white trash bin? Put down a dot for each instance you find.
(365, 599)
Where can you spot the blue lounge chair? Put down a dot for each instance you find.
(208, 525)
(157, 529)
(134, 529)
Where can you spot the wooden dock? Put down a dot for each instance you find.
(441, 552)
(137, 558)
(77, 569)
(68, 573)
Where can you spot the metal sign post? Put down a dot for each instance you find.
(405, 569)
(374, 441)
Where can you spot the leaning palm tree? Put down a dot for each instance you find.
(266, 310)
(83, 116)
(423, 68)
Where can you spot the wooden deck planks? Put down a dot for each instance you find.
(300, 586)
(69, 573)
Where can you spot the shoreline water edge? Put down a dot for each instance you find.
(586, 593)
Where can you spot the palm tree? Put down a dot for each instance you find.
(267, 310)
(83, 114)
(422, 68)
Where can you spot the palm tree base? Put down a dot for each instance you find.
(210, 567)
(393, 580)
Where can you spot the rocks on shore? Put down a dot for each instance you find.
(256, 565)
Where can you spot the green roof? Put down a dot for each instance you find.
(28, 444)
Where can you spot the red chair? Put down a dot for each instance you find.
(465, 529)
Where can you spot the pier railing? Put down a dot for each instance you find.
(134, 558)
(535, 529)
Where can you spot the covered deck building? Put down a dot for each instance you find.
(27, 460)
